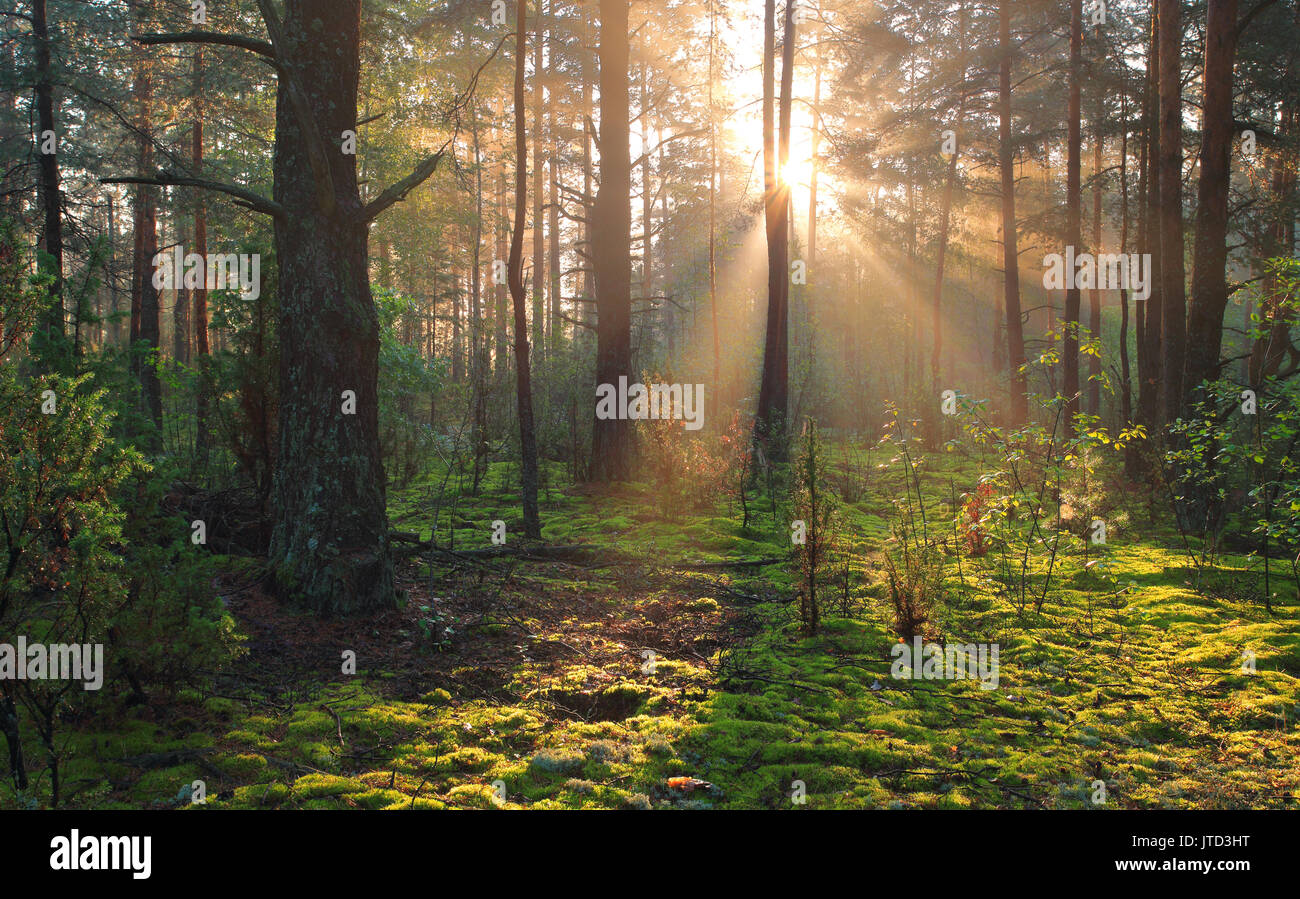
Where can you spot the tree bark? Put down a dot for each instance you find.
(144, 296)
(523, 374)
(50, 193)
(611, 444)
(945, 214)
(1150, 317)
(1173, 292)
(1210, 248)
(1073, 218)
(329, 541)
(770, 424)
(1019, 405)
(539, 236)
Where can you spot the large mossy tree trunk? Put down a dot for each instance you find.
(329, 543)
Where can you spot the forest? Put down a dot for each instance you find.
(649, 404)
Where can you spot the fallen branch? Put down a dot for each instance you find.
(731, 563)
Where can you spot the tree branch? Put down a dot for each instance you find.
(243, 196)
(261, 48)
(1249, 16)
(397, 192)
(426, 167)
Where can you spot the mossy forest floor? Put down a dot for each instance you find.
(640, 678)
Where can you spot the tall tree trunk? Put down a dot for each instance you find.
(329, 541)
(523, 373)
(1125, 385)
(1010, 254)
(50, 193)
(945, 215)
(770, 424)
(1149, 349)
(588, 178)
(1173, 296)
(144, 296)
(611, 444)
(478, 372)
(1073, 218)
(813, 166)
(556, 327)
(502, 250)
(539, 236)
(647, 198)
(1094, 295)
(713, 202)
(1210, 248)
(181, 317)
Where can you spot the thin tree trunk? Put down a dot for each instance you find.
(1151, 318)
(539, 237)
(945, 214)
(144, 296)
(813, 167)
(1010, 253)
(523, 373)
(713, 178)
(50, 193)
(556, 327)
(1173, 297)
(502, 250)
(1094, 295)
(1073, 218)
(1125, 385)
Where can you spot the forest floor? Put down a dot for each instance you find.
(653, 674)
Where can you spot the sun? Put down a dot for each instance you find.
(798, 169)
(794, 173)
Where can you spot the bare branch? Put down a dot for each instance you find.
(397, 192)
(242, 195)
(261, 48)
(426, 167)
